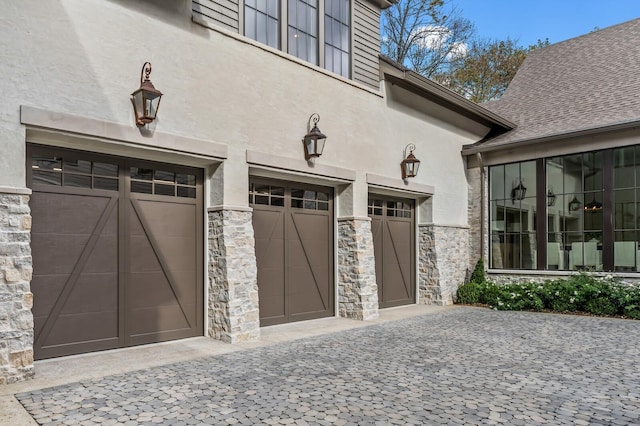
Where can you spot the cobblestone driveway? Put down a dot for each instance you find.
(462, 366)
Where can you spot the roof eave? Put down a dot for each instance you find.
(383, 4)
(481, 147)
(414, 82)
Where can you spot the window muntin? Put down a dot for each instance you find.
(391, 208)
(592, 212)
(302, 29)
(337, 36)
(64, 171)
(162, 182)
(262, 21)
(375, 206)
(575, 219)
(295, 26)
(311, 200)
(512, 213)
(268, 195)
(626, 200)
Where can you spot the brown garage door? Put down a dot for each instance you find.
(117, 251)
(392, 225)
(293, 225)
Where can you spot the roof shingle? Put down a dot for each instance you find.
(584, 83)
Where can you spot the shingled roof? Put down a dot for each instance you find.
(577, 86)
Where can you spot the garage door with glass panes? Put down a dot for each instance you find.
(293, 226)
(392, 226)
(117, 249)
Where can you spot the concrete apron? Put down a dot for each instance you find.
(71, 369)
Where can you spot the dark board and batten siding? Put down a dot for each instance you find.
(366, 44)
(224, 13)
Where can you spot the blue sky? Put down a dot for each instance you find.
(529, 20)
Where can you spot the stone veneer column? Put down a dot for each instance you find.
(474, 212)
(443, 262)
(16, 299)
(357, 288)
(233, 312)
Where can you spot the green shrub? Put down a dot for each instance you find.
(469, 293)
(600, 306)
(632, 311)
(491, 294)
(578, 293)
(477, 276)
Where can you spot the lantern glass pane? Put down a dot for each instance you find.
(137, 104)
(309, 147)
(408, 169)
(320, 146)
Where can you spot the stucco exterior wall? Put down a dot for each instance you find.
(217, 87)
(233, 107)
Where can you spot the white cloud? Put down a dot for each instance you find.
(435, 37)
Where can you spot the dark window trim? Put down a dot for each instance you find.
(541, 223)
(283, 26)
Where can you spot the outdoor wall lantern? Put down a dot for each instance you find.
(574, 204)
(314, 140)
(518, 192)
(593, 205)
(410, 164)
(146, 100)
(551, 198)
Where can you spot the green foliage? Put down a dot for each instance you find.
(477, 276)
(470, 293)
(586, 293)
(486, 69)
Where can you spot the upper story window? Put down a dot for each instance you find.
(294, 26)
(337, 38)
(262, 21)
(303, 29)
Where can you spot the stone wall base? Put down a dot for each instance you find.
(522, 277)
(16, 299)
(233, 313)
(443, 263)
(357, 288)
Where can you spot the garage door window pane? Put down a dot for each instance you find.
(184, 179)
(142, 187)
(46, 163)
(47, 178)
(161, 189)
(77, 166)
(142, 174)
(164, 176)
(77, 181)
(261, 199)
(105, 169)
(105, 183)
(186, 192)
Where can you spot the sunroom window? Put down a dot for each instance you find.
(585, 207)
(512, 211)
